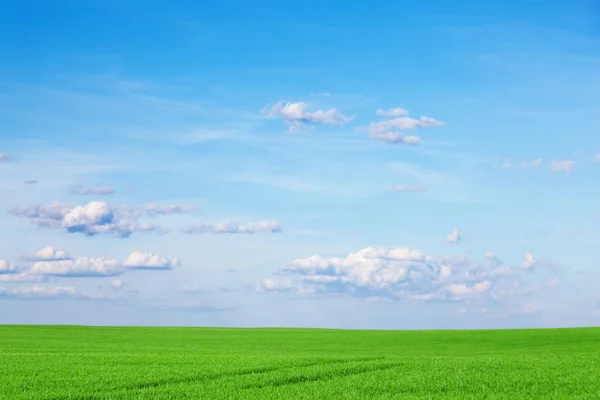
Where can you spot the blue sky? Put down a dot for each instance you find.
(254, 163)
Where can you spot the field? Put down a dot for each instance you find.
(75, 362)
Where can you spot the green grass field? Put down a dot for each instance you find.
(73, 362)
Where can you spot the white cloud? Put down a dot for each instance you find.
(78, 267)
(402, 188)
(395, 137)
(117, 283)
(49, 254)
(150, 261)
(266, 226)
(461, 291)
(297, 115)
(529, 262)
(21, 277)
(271, 285)
(100, 190)
(4, 157)
(562, 166)
(454, 236)
(95, 217)
(392, 112)
(393, 130)
(523, 164)
(399, 274)
(6, 267)
(56, 292)
(157, 209)
(52, 262)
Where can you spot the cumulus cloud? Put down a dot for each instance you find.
(100, 190)
(149, 261)
(297, 115)
(529, 262)
(95, 217)
(6, 267)
(49, 254)
(266, 226)
(78, 267)
(55, 292)
(562, 166)
(399, 274)
(52, 262)
(393, 130)
(454, 236)
(4, 157)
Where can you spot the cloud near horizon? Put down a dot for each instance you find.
(53, 262)
(53, 293)
(401, 274)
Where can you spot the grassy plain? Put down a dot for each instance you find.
(76, 362)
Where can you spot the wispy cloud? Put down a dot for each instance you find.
(392, 112)
(404, 188)
(100, 190)
(53, 292)
(266, 226)
(297, 115)
(562, 166)
(393, 130)
(523, 164)
(195, 307)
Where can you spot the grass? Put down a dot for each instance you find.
(75, 362)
